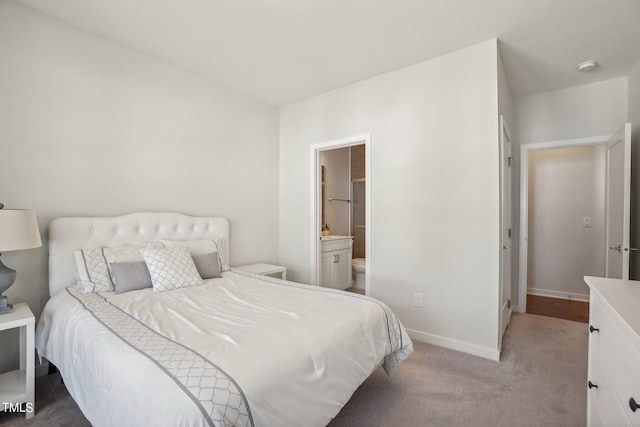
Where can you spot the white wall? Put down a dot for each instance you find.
(505, 107)
(88, 127)
(338, 186)
(633, 96)
(435, 208)
(566, 185)
(582, 111)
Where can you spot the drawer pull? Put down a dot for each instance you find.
(633, 404)
(592, 329)
(592, 385)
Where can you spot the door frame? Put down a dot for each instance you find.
(523, 246)
(505, 281)
(622, 135)
(316, 204)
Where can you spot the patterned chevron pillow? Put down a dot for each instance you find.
(93, 271)
(171, 268)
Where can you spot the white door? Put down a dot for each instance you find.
(506, 227)
(618, 199)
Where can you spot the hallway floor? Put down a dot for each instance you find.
(577, 311)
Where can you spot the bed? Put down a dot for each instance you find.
(234, 349)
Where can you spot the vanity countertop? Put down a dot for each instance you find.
(335, 237)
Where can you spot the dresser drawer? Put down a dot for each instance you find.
(617, 358)
(604, 407)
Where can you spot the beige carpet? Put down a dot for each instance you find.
(540, 381)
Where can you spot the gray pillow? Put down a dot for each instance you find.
(207, 265)
(130, 276)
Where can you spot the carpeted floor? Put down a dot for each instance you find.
(540, 381)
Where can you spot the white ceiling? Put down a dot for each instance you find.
(282, 51)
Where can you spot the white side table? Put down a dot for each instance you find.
(18, 386)
(265, 269)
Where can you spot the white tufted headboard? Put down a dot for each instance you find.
(67, 235)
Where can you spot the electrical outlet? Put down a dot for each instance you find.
(417, 299)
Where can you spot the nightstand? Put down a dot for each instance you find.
(17, 387)
(266, 270)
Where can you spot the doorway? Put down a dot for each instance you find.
(506, 214)
(359, 183)
(565, 217)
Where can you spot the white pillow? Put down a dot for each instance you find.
(129, 253)
(93, 264)
(92, 270)
(171, 268)
(201, 247)
(223, 254)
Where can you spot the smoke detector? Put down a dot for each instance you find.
(587, 65)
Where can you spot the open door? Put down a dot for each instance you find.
(505, 226)
(618, 200)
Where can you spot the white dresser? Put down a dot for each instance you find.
(614, 353)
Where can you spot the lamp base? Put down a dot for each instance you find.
(7, 277)
(5, 307)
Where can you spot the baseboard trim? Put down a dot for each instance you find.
(465, 347)
(557, 294)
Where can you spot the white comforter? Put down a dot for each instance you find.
(295, 352)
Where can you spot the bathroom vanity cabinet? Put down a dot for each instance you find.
(336, 262)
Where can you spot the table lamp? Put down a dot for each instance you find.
(18, 230)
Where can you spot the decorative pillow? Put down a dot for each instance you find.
(171, 268)
(92, 270)
(200, 247)
(207, 265)
(129, 253)
(222, 254)
(130, 276)
(93, 264)
(84, 282)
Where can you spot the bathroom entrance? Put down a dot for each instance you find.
(341, 213)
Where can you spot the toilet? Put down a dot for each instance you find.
(358, 268)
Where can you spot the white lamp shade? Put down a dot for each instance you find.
(18, 230)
